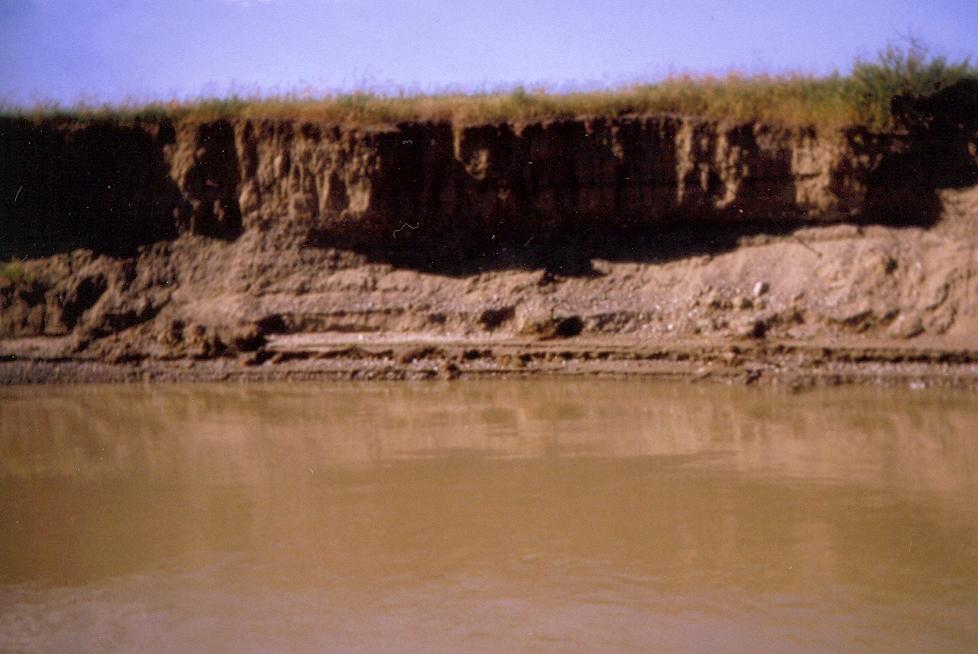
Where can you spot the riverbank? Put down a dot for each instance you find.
(661, 245)
(791, 366)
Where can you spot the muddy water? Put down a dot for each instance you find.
(512, 516)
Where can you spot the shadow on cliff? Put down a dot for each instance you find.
(899, 195)
(108, 186)
(100, 186)
(938, 153)
(568, 253)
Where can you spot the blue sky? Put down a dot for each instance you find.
(110, 50)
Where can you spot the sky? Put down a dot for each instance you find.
(96, 51)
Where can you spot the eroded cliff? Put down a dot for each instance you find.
(199, 239)
(112, 187)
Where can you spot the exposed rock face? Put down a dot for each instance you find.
(113, 186)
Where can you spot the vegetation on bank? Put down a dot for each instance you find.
(13, 271)
(860, 98)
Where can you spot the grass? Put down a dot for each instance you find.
(14, 271)
(860, 98)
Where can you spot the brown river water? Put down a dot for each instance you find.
(554, 515)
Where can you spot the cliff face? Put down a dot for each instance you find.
(443, 183)
(112, 187)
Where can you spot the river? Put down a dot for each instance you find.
(495, 516)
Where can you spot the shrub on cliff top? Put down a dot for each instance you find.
(899, 72)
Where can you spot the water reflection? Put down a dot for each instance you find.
(242, 434)
(487, 516)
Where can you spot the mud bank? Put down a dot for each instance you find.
(739, 252)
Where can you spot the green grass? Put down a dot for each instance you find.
(861, 98)
(14, 271)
